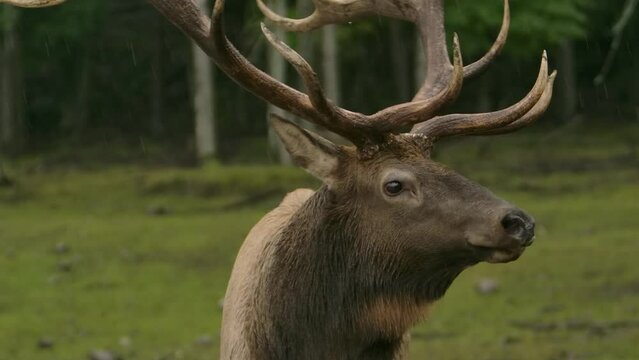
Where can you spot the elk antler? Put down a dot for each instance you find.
(32, 3)
(354, 126)
(469, 124)
(340, 11)
(532, 115)
(428, 15)
(442, 84)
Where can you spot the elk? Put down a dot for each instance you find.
(345, 271)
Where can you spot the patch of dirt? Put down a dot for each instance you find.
(252, 199)
(616, 290)
(590, 327)
(434, 335)
(182, 187)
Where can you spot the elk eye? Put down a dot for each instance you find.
(393, 188)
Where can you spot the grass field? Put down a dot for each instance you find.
(134, 259)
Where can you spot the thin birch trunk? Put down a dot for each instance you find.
(277, 69)
(203, 106)
(569, 98)
(11, 131)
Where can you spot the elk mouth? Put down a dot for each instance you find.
(496, 254)
(500, 255)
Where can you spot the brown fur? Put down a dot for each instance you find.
(346, 271)
(391, 317)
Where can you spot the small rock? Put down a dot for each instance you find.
(598, 330)
(536, 326)
(125, 342)
(45, 343)
(568, 355)
(551, 309)
(157, 211)
(487, 286)
(53, 279)
(5, 181)
(178, 354)
(510, 340)
(204, 340)
(61, 248)
(65, 266)
(102, 355)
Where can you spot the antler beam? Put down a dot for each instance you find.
(32, 3)
(469, 124)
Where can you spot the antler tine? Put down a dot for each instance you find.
(304, 69)
(470, 124)
(32, 3)
(339, 11)
(343, 122)
(308, 23)
(476, 68)
(433, 35)
(411, 113)
(209, 35)
(530, 117)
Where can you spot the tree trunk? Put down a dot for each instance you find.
(203, 107)
(11, 127)
(569, 98)
(4, 179)
(76, 109)
(157, 93)
(485, 96)
(330, 63)
(306, 47)
(277, 69)
(399, 61)
(305, 40)
(331, 75)
(420, 64)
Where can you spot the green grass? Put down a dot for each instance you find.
(148, 287)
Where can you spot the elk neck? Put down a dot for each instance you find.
(327, 285)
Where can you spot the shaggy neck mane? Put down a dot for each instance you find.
(325, 293)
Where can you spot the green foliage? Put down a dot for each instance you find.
(8, 17)
(71, 22)
(535, 25)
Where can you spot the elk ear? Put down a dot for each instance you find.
(312, 152)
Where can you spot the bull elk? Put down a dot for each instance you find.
(345, 271)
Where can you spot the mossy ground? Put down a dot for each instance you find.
(148, 250)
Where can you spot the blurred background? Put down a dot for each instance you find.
(131, 170)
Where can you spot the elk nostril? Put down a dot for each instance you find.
(520, 227)
(512, 223)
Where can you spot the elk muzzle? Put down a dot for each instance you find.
(508, 239)
(520, 227)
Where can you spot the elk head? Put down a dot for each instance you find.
(416, 203)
